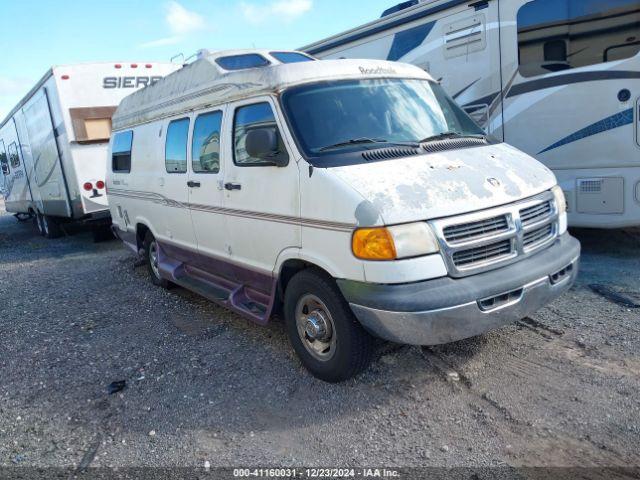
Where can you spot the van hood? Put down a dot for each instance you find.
(443, 184)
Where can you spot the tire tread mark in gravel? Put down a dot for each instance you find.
(446, 370)
(89, 455)
(610, 294)
(540, 328)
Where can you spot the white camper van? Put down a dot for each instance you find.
(355, 196)
(54, 143)
(558, 79)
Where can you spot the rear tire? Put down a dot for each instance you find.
(151, 259)
(51, 227)
(323, 330)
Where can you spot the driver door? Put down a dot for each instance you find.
(262, 201)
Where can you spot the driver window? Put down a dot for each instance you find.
(248, 118)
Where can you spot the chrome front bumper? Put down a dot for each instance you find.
(457, 321)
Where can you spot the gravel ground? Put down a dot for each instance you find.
(561, 388)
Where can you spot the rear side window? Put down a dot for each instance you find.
(253, 117)
(175, 152)
(291, 57)
(4, 163)
(121, 152)
(205, 147)
(240, 62)
(14, 158)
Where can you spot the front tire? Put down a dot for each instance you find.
(151, 252)
(325, 334)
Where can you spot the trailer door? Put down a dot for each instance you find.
(48, 175)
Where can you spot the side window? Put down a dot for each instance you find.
(14, 158)
(558, 35)
(175, 150)
(121, 152)
(205, 147)
(255, 117)
(4, 163)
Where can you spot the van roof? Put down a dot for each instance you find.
(204, 83)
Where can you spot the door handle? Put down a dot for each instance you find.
(232, 186)
(192, 184)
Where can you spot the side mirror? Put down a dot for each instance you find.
(262, 143)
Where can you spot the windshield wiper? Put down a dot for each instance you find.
(367, 140)
(452, 134)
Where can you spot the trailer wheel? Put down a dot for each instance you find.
(50, 228)
(151, 258)
(325, 334)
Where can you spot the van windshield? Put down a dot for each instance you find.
(356, 115)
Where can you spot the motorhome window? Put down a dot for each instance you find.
(121, 152)
(3, 159)
(205, 147)
(14, 158)
(176, 146)
(557, 35)
(252, 117)
(240, 62)
(291, 57)
(332, 116)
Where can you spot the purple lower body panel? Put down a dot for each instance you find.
(244, 291)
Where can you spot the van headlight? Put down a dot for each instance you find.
(394, 243)
(561, 200)
(561, 203)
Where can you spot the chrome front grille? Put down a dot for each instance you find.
(533, 214)
(493, 238)
(534, 237)
(482, 228)
(486, 253)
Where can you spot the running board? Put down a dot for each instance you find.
(250, 303)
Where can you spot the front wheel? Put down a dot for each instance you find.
(325, 334)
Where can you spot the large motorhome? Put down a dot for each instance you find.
(559, 79)
(53, 144)
(354, 196)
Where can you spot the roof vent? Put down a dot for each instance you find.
(389, 153)
(453, 144)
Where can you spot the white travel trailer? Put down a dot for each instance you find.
(338, 193)
(53, 144)
(559, 79)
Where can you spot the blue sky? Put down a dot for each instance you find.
(39, 33)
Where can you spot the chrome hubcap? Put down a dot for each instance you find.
(153, 258)
(316, 327)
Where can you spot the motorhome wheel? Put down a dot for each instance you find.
(151, 253)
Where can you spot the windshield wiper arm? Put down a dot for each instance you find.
(451, 134)
(367, 140)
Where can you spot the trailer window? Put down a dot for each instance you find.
(14, 158)
(121, 152)
(175, 156)
(3, 159)
(557, 35)
(205, 147)
(253, 117)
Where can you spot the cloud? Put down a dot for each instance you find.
(181, 22)
(286, 10)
